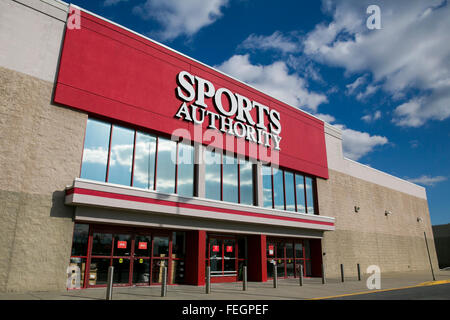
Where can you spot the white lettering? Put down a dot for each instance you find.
(242, 125)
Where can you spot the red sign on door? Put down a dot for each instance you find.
(121, 244)
(142, 245)
(229, 248)
(270, 250)
(215, 248)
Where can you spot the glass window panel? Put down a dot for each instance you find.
(80, 239)
(160, 246)
(246, 181)
(280, 250)
(290, 191)
(122, 245)
(290, 268)
(121, 158)
(300, 189)
(185, 179)
(101, 244)
(212, 175)
(165, 171)
(230, 179)
(307, 249)
(142, 246)
(178, 266)
(299, 250)
(178, 244)
(95, 153)
(215, 246)
(278, 189)
(309, 195)
(121, 270)
(267, 186)
(144, 161)
(280, 268)
(242, 248)
(270, 267)
(98, 273)
(141, 271)
(158, 269)
(289, 250)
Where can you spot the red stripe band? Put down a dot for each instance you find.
(118, 196)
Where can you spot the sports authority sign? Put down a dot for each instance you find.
(113, 74)
(229, 104)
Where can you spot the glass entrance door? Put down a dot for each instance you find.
(223, 257)
(138, 258)
(142, 259)
(288, 256)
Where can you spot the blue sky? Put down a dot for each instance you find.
(388, 89)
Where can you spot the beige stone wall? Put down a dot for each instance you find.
(41, 146)
(369, 237)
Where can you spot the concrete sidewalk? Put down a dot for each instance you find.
(287, 289)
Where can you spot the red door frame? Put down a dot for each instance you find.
(223, 278)
(132, 232)
(274, 241)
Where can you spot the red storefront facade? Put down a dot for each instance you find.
(125, 81)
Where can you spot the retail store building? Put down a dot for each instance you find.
(119, 151)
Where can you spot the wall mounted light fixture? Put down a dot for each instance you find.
(386, 213)
(357, 209)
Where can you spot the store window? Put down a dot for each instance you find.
(96, 148)
(79, 252)
(309, 195)
(289, 191)
(128, 157)
(267, 186)
(144, 161)
(213, 173)
(278, 189)
(166, 162)
(246, 182)
(185, 170)
(300, 192)
(285, 190)
(228, 178)
(121, 157)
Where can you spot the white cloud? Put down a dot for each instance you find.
(372, 117)
(370, 90)
(351, 88)
(274, 79)
(409, 55)
(276, 41)
(325, 117)
(185, 17)
(356, 144)
(427, 180)
(98, 155)
(109, 3)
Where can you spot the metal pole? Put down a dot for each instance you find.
(109, 286)
(208, 279)
(359, 272)
(342, 272)
(275, 276)
(301, 275)
(429, 257)
(244, 282)
(164, 283)
(323, 274)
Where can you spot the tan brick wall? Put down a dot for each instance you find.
(41, 146)
(369, 237)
